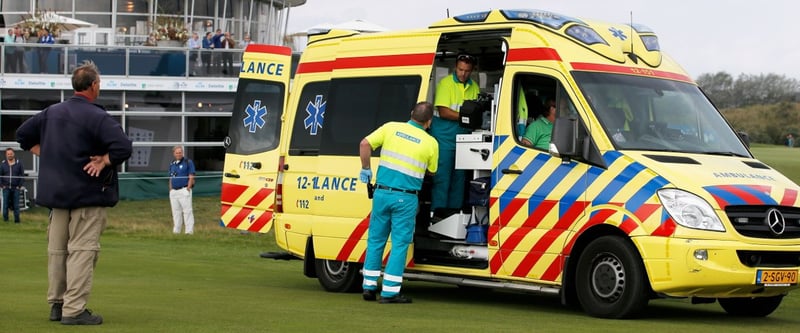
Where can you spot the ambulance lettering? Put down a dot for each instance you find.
(247, 165)
(262, 68)
(316, 114)
(345, 184)
(742, 175)
(254, 116)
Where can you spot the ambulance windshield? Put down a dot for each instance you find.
(645, 113)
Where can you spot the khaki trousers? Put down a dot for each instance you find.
(73, 246)
(182, 214)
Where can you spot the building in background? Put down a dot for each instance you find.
(163, 95)
(131, 21)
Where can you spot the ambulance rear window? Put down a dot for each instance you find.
(358, 106)
(255, 122)
(310, 119)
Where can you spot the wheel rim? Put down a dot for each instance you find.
(337, 270)
(608, 278)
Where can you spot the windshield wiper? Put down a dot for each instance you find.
(720, 153)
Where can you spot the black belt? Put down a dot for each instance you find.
(179, 188)
(384, 187)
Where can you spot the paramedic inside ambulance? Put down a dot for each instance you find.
(447, 195)
(539, 132)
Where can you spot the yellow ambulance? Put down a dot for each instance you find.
(645, 191)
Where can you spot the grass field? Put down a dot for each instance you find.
(149, 280)
(784, 159)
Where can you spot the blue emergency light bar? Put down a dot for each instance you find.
(553, 20)
(585, 34)
(641, 28)
(580, 30)
(650, 41)
(472, 17)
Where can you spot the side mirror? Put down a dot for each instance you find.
(745, 138)
(564, 141)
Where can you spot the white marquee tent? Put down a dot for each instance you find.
(65, 23)
(298, 39)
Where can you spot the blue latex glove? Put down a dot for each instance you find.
(365, 175)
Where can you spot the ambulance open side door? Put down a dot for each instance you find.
(251, 157)
(540, 196)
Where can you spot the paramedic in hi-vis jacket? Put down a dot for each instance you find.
(407, 153)
(447, 195)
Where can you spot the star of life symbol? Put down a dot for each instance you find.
(316, 114)
(618, 33)
(255, 116)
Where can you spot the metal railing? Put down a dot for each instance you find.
(60, 59)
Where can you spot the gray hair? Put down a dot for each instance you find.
(84, 76)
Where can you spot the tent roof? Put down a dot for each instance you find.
(357, 25)
(66, 23)
(360, 25)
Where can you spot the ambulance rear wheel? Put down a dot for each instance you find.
(751, 306)
(610, 279)
(338, 276)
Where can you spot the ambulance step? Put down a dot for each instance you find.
(278, 256)
(524, 287)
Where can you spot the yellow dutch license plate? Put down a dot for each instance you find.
(765, 277)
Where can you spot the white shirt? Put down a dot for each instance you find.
(194, 43)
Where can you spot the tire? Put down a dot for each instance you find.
(751, 306)
(338, 276)
(610, 279)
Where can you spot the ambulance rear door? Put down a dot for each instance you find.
(374, 80)
(251, 158)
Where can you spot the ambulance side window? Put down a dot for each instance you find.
(533, 95)
(309, 119)
(357, 106)
(257, 103)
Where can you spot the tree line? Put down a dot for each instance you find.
(764, 106)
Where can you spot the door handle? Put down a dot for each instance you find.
(509, 171)
(231, 175)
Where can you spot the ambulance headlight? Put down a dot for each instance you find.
(689, 210)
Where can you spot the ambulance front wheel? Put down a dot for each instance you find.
(338, 276)
(610, 279)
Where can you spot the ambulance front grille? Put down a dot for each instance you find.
(752, 221)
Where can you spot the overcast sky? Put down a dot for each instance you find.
(705, 36)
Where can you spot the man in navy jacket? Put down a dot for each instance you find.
(80, 146)
(11, 180)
